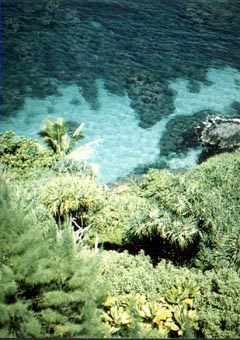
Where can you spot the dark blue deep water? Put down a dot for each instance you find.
(148, 71)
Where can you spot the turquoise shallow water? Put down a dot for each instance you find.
(141, 75)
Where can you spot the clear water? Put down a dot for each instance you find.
(140, 75)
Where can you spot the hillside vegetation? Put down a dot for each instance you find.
(155, 257)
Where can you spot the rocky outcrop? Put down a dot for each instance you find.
(220, 134)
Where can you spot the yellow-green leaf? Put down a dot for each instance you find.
(148, 327)
(174, 327)
(162, 314)
(125, 318)
(146, 311)
(114, 313)
(188, 301)
(177, 316)
(110, 301)
(106, 317)
(114, 330)
(192, 314)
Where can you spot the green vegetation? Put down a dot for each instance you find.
(154, 258)
(172, 316)
(56, 136)
(22, 156)
(46, 284)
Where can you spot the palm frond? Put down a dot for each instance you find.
(85, 151)
(77, 133)
(55, 135)
(182, 232)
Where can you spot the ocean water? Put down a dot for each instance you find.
(140, 75)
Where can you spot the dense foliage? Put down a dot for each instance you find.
(19, 155)
(165, 248)
(46, 284)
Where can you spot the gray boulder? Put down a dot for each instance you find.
(221, 132)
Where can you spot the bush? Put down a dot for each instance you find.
(169, 220)
(120, 211)
(136, 302)
(22, 156)
(218, 305)
(68, 195)
(215, 201)
(166, 318)
(71, 166)
(48, 289)
(136, 274)
(26, 159)
(127, 274)
(194, 215)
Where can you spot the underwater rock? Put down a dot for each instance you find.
(203, 12)
(181, 133)
(151, 100)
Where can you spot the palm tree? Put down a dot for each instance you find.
(55, 135)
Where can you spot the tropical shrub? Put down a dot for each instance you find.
(127, 274)
(194, 214)
(119, 212)
(218, 305)
(72, 166)
(168, 222)
(215, 201)
(172, 316)
(70, 196)
(22, 156)
(47, 287)
(26, 159)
